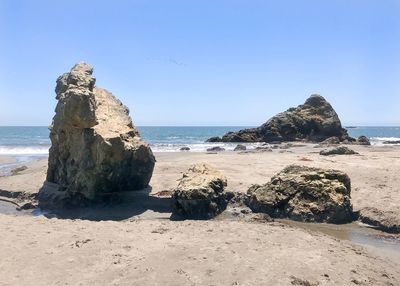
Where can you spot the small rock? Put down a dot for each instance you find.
(215, 149)
(240, 147)
(363, 140)
(185, 149)
(27, 206)
(263, 149)
(331, 141)
(341, 150)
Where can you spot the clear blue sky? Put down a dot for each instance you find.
(205, 62)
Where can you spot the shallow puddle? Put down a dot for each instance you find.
(357, 233)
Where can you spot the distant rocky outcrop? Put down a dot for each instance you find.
(304, 194)
(200, 193)
(95, 148)
(315, 120)
(341, 150)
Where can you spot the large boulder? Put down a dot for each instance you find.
(95, 148)
(315, 120)
(200, 193)
(304, 194)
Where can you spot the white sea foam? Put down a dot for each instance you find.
(199, 147)
(380, 140)
(24, 150)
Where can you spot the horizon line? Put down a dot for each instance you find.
(249, 126)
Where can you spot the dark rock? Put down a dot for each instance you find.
(240, 147)
(315, 121)
(383, 220)
(95, 149)
(200, 193)
(363, 140)
(263, 149)
(214, 139)
(341, 150)
(246, 135)
(215, 149)
(27, 206)
(304, 194)
(185, 149)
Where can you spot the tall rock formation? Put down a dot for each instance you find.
(315, 120)
(95, 149)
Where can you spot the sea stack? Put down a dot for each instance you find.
(96, 149)
(315, 121)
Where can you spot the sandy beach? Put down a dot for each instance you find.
(149, 249)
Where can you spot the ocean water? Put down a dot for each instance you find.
(34, 141)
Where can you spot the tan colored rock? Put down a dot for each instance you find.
(305, 194)
(95, 149)
(200, 193)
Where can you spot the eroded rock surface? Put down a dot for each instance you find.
(305, 194)
(200, 193)
(315, 120)
(95, 149)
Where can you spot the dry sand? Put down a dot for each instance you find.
(142, 250)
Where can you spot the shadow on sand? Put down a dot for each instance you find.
(117, 207)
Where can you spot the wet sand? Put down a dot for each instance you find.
(6, 159)
(146, 248)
